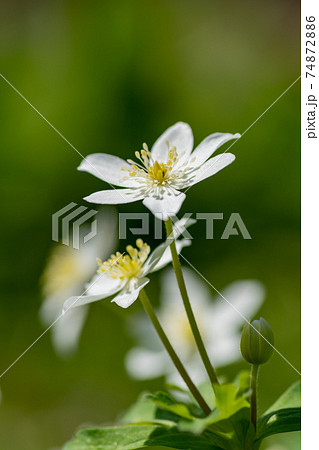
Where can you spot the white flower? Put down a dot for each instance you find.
(219, 323)
(66, 273)
(160, 173)
(124, 275)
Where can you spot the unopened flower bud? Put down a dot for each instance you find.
(257, 340)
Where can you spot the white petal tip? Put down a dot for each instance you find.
(81, 166)
(88, 198)
(121, 304)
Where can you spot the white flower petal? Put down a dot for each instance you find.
(179, 135)
(209, 145)
(139, 326)
(101, 287)
(51, 307)
(107, 168)
(75, 301)
(142, 364)
(52, 304)
(225, 350)
(210, 167)
(166, 205)
(115, 196)
(246, 297)
(197, 373)
(130, 292)
(102, 283)
(197, 288)
(167, 255)
(66, 332)
(154, 257)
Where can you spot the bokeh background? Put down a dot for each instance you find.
(111, 75)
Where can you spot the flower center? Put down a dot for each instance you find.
(150, 170)
(125, 266)
(63, 269)
(179, 330)
(184, 331)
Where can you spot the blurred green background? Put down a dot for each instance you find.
(111, 75)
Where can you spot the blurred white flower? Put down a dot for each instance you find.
(160, 173)
(219, 323)
(124, 275)
(66, 273)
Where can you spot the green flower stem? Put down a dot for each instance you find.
(188, 308)
(253, 395)
(177, 362)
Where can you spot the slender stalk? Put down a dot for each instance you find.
(188, 308)
(177, 362)
(253, 395)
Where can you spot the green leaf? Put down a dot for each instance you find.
(291, 398)
(175, 387)
(164, 409)
(162, 421)
(168, 403)
(283, 416)
(130, 437)
(229, 422)
(228, 401)
(242, 381)
(144, 410)
(281, 421)
(227, 404)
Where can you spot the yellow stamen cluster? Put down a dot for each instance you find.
(122, 267)
(184, 331)
(63, 269)
(179, 329)
(149, 169)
